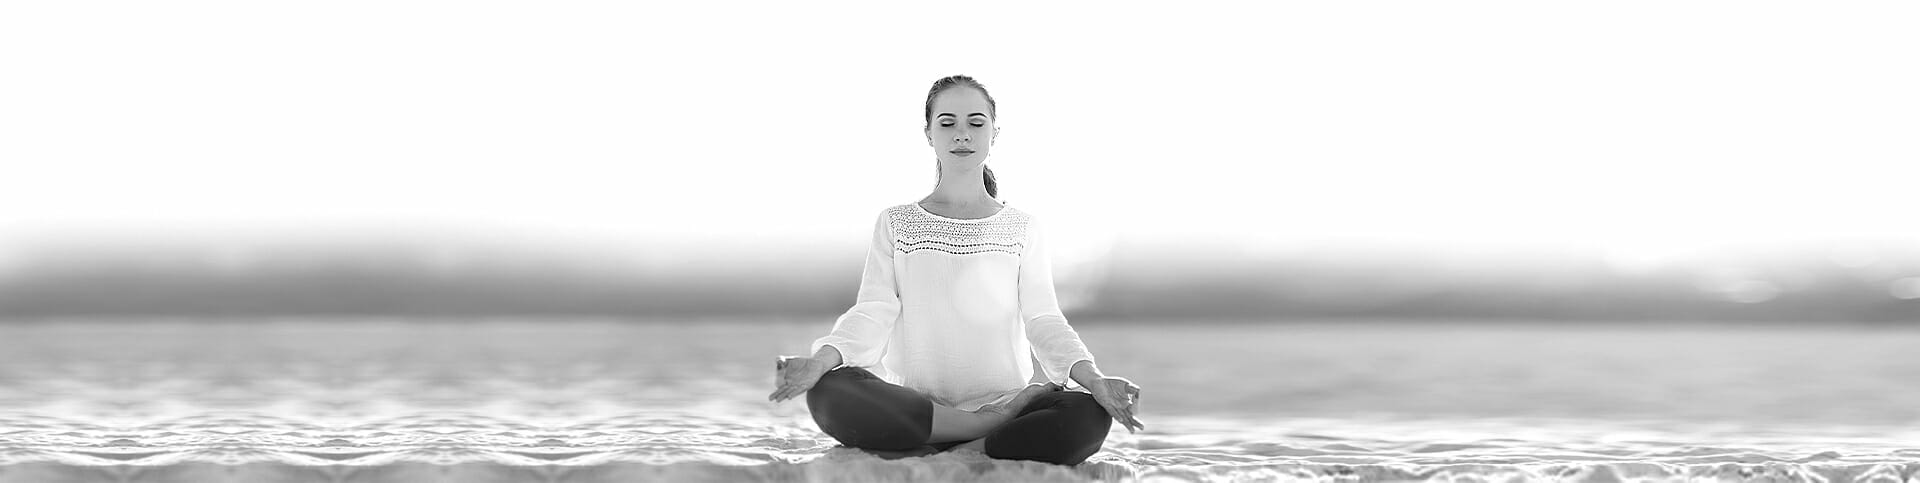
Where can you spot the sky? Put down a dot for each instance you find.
(1638, 129)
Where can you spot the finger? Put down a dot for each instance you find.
(1126, 415)
(794, 391)
(1119, 416)
(1133, 415)
(1126, 421)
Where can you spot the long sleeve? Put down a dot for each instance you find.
(1055, 344)
(861, 333)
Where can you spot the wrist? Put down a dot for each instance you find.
(1085, 373)
(819, 366)
(828, 356)
(1085, 368)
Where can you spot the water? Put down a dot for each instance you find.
(684, 400)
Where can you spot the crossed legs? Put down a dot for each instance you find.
(863, 411)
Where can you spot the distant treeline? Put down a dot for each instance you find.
(1140, 283)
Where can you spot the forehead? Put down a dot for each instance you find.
(960, 101)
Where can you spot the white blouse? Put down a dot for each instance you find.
(953, 308)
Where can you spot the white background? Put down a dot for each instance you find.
(1640, 129)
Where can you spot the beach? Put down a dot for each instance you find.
(519, 399)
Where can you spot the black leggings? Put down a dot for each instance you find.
(863, 411)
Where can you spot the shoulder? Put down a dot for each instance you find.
(900, 213)
(1023, 219)
(1015, 213)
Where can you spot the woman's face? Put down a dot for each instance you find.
(961, 130)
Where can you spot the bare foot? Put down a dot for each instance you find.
(1012, 408)
(978, 445)
(951, 424)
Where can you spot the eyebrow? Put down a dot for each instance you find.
(945, 114)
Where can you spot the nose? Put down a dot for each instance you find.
(963, 138)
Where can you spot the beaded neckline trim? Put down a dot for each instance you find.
(915, 229)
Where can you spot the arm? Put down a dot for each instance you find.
(1056, 345)
(860, 335)
(1086, 374)
(828, 356)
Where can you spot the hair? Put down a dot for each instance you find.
(952, 81)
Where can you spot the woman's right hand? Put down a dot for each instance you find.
(794, 375)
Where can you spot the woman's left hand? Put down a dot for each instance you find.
(1118, 395)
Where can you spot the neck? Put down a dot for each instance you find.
(962, 188)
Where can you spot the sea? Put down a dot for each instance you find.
(517, 399)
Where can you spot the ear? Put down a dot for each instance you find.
(927, 130)
(996, 136)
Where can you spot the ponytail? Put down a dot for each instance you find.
(993, 187)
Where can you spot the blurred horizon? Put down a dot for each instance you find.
(455, 274)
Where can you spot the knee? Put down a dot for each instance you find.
(833, 392)
(1074, 428)
(859, 410)
(837, 380)
(1086, 414)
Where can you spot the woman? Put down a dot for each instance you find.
(955, 309)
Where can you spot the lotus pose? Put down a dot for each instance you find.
(956, 339)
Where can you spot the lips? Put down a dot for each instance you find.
(961, 152)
